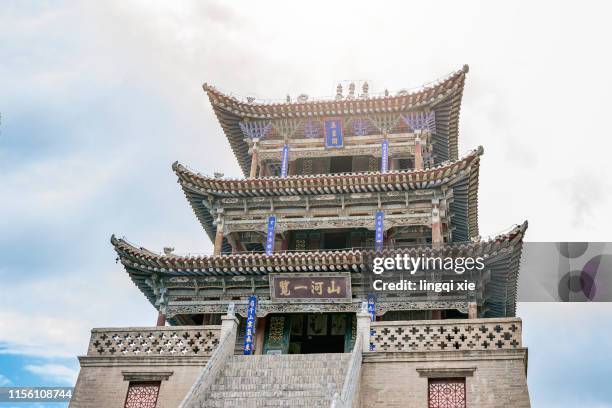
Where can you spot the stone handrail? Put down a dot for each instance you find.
(154, 341)
(352, 380)
(195, 396)
(444, 335)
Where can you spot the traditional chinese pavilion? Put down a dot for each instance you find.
(281, 312)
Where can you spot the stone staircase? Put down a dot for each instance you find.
(286, 380)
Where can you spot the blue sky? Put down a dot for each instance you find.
(98, 100)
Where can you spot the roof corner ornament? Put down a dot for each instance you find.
(302, 98)
(351, 94)
(466, 68)
(386, 92)
(250, 99)
(339, 92)
(365, 88)
(288, 98)
(218, 175)
(168, 251)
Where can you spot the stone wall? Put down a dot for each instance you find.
(494, 378)
(103, 381)
(174, 355)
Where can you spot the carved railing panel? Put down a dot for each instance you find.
(154, 341)
(444, 335)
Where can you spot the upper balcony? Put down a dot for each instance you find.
(411, 200)
(245, 120)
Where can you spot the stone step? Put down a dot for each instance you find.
(275, 386)
(306, 379)
(319, 393)
(288, 362)
(278, 402)
(287, 380)
(296, 357)
(232, 371)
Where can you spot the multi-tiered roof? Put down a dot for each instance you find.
(421, 129)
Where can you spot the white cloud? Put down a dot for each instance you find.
(54, 372)
(21, 333)
(121, 83)
(5, 381)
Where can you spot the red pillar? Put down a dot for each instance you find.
(161, 319)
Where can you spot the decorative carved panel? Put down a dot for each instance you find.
(142, 394)
(428, 336)
(446, 393)
(170, 341)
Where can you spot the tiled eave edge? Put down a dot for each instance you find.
(235, 264)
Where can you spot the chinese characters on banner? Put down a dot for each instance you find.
(293, 287)
(250, 325)
(384, 163)
(379, 235)
(372, 311)
(285, 161)
(333, 133)
(270, 235)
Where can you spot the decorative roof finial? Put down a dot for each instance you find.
(365, 88)
(339, 92)
(351, 94)
(386, 92)
(250, 99)
(466, 68)
(288, 99)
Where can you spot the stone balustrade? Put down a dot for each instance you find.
(443, 335)
(154, 341)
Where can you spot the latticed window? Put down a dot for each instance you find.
(446, 393)
(142, 394)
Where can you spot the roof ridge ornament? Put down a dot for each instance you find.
(365, 90)
(351, 94)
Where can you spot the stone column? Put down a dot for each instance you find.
(436, 224)
(363, 328)
(161, 319)
(418, 154)
(472, 310)
(254, 159)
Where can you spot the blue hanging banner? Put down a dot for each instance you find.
(270, 235)
(249, 334)
(379, 232)
(333, 132)
(372, 311)
(284, 161)
(372, 305)
(384, 163)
